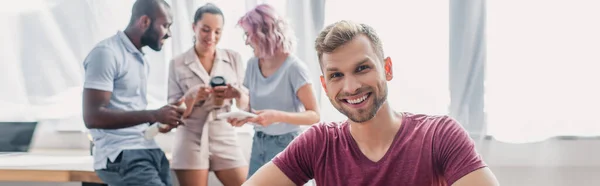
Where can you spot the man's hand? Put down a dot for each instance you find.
(168, 114)
(168, 127)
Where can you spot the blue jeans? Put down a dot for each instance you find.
(265, 147)
(147, 167)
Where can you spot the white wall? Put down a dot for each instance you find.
(550, 163)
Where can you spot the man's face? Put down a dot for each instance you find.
(159, 30)
(354, 79)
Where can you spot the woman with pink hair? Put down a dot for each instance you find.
(279, 85)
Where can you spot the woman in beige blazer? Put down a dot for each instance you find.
(205, 143)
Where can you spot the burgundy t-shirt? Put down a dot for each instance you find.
(427, 150)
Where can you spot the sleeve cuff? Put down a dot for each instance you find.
(288, 172)
(98, 86)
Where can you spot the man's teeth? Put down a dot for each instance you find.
(358, 100)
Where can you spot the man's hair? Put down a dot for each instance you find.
(342, 32)
(148, 8)
(271, 31)
(207, 8)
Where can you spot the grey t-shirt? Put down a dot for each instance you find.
(278, 91)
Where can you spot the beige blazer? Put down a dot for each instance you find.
(186, 72)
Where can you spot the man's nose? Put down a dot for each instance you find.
(351, 84)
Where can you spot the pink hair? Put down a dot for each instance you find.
(267, 30)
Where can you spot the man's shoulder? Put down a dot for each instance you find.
(107, 46)
(427, 119)
(112, 42)
(432, 124)
(323, 130)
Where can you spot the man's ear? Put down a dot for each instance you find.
(323, 84)
(145, 22)
(389, 70)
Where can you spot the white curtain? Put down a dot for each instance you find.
(467, 64)
(307, 19)
(44, 42)
(542, 71)
(44, 48)
(415, 36)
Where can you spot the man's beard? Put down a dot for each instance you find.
(363, 115)
(151, 39)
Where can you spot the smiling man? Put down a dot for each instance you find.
(376, 145)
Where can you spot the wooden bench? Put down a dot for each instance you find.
(44, 165)
(35, 167)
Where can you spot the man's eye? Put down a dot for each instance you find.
(362, 67)
(334, 75)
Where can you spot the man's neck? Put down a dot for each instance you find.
(378, 132)
(135, 37)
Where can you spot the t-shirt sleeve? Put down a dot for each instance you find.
(100, 69)
(249, 72)
(454, 151)
(298, 160)
(299, 75)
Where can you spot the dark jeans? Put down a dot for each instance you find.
(147, 167)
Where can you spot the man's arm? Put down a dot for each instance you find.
(269, 174)
(96, 115)
(100, 71)
(480, 177)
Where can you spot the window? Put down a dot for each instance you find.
(542, 78)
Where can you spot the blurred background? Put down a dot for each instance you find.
(521, 76)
